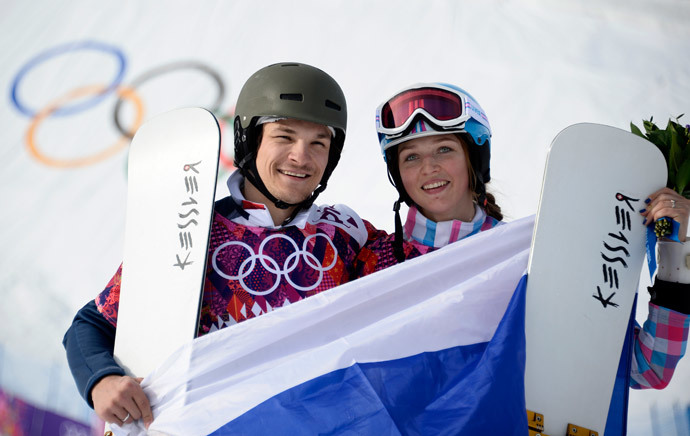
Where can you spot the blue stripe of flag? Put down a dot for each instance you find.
(465, 390)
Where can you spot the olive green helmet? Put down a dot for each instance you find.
(290, 90)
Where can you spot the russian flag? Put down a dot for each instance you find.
(433, 346)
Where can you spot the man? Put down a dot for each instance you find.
(269, 245)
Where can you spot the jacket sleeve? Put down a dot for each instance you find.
(89, 343)
(661, 341)
(377, 254)
(90, 340)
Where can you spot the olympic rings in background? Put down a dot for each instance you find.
(62, 49)
(96, 157)
(225, 161)
(98, 93)
(167, 69)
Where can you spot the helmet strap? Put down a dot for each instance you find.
(398, 251)
(251, 174)
(394, 176)
(248, 167)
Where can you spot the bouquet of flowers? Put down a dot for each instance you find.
(674, 143)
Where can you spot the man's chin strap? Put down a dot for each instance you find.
(248, 168)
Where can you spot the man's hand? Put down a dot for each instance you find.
(120, 399)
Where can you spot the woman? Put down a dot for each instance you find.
(436, 142)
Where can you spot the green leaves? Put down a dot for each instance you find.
(674, 144)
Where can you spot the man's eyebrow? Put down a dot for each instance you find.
(284, 129)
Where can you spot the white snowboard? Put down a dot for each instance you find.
(173, 163)
(587, 253)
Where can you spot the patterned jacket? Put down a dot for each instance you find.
(253, 268)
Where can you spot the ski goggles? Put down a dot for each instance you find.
(443, 106)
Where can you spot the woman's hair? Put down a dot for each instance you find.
(490, 207)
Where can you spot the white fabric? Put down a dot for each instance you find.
(454, 296)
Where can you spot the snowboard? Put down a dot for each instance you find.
(587, 252)
(172, 171)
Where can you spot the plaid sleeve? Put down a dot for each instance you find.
(659, 345)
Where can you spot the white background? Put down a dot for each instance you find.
(536, 66)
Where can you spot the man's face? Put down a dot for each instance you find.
(292, 158)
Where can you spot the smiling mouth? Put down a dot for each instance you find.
(434, 185)
(292, 174)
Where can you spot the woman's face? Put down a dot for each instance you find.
(434, 171)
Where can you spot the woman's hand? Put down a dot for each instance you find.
(668, 203)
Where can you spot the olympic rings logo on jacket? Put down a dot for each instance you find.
(247, 267)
